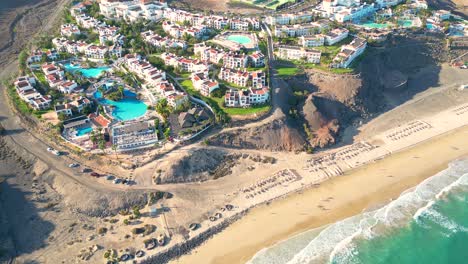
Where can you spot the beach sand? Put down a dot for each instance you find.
(358, 190)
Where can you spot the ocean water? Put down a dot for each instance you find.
(426, 224)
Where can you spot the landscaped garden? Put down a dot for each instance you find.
(217, 100)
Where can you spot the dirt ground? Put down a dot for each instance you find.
(218, 6)
(459, 7)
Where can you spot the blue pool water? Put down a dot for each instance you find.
(83, 131)
(126, 109)
(239, 39)
(372, 24)
(429, 26)
(405, 23)
(89, 72)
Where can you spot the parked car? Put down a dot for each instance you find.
(95, 174)
(53, 151)
(110, 177)
(73, 165)
(130, 182)
(117, 181)
(86, 170)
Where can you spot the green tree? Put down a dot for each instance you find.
(23, 57)
(167, 132)
(62, 116)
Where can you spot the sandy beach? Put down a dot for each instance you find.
(358, 190)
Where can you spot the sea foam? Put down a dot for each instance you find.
(336, 243)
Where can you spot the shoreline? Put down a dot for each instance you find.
(354, 192)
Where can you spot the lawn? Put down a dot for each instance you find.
(41, 77)
(184, 75)
(257, 109)
(19, 104)
(188, 86)
(284, 71)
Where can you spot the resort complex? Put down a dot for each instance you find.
(148, 126)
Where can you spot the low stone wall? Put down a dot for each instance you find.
(184, 247)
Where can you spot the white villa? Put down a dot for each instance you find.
(246, 98)
(36, 56)
(155, 79)
(203, 84)
(243, 78)
(77, 105)
(336, 35)
(289, 19)
(162, 42)
(184, 64)
(257, 59)
(68, 30)
(296, 30)
(177, 31)
(345, 10)
(312, 41)
(298, 53)
(27, 92)
(235, 61)
(133, 10)
(208, 53)
(349, 52)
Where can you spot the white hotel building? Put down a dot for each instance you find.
(298, 53)
(288, 19)
(133, 10)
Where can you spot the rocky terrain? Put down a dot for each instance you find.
(207, 164)
(322, 105)
(387, 77)
(277, 135)
(459, 7)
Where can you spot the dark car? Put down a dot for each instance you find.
(95, 174)
(86, 170)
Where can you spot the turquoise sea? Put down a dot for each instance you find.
(426, 224)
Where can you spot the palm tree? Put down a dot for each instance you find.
(93, 137)
(114, 148)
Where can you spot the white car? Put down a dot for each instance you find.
(50, 149)
(117, 181)
(73, 165)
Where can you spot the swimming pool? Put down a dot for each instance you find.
(405, 23)
(241, 39)
(371, 24)
(89, 72)
(83, 131)
(126, 109)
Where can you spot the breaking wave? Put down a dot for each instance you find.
(337, 243)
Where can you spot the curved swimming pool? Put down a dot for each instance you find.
(128, 108)
(88, 72)
(241, 39)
